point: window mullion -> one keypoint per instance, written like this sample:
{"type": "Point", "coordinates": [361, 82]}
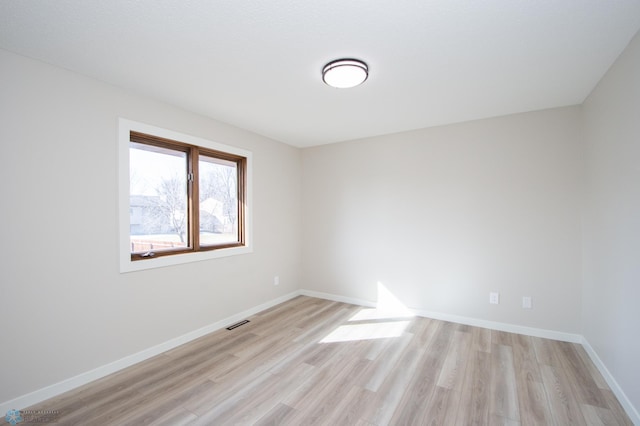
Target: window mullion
{"type": "Point", "coordinates": [194, 197]}
{"type": "Point", "coordinates": [240, 188]}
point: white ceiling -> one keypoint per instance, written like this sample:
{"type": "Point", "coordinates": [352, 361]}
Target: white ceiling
{"type": "Point", "coordinates": [256, 64]}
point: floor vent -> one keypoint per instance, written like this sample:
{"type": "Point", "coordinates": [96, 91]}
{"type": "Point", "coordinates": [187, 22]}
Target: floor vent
{"type": "Point", "coordinates": [236, 325]}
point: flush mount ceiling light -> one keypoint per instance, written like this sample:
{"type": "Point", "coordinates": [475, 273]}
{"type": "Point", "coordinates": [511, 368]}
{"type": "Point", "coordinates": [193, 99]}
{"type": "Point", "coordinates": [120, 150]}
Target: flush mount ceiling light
{"type": "Point", "coordinates": [345, 73]}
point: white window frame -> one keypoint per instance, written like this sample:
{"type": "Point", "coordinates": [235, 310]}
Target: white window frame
{"type": "Point", "coordinates": [126, 264]}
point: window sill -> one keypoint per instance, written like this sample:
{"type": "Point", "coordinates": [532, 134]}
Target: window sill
{"type": "Point", "coordinates": [128, 265]}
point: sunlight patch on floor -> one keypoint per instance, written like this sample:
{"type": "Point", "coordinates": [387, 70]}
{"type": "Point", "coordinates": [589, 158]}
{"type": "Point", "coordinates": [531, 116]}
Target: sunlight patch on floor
{"type": "Point", "coordinates": [367, 331]}
{"type": "Point", "coordinates": [370, 322]}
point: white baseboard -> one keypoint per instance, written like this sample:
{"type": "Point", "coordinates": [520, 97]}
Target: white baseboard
{"type": "Point", "coordinates": [501, 326]}
{"type": "Point", "coordinates": [55, 389]}
{"type": "Point", "coordinates": [493, 325]}
{"type": "Point", "coordinates": [337, 298]}
{"type": "Point", "coordinates": [632, 412]}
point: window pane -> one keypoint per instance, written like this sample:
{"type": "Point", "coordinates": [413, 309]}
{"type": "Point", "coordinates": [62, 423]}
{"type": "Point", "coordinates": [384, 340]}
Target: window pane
{"type": "Point", "coordinates": [218, 201]}
{"type": "Point", "coordinates": [157, 198]}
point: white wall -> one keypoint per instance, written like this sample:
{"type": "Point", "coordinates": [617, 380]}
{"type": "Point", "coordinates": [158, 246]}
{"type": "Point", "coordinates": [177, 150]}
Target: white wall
{"type": "Point", "coordinates": [66, 309]}
{"type": "Point", "coordinates": [611, 312]}
{"type": "Point", "coordinates": [443, 216]}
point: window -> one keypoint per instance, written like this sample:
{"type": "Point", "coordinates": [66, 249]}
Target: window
{"type": "Point", "coordinates": [186, 198]}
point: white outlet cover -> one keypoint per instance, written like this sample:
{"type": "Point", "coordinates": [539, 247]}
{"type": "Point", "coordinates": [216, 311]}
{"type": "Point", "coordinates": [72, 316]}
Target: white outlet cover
{"type": "Point", "coordinates": [494, 298]}
{"type": "Point", "coordinates": [526, 302]}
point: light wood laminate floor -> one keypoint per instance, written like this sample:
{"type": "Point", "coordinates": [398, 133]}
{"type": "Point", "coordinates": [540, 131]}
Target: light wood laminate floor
{"type": "Point", "coordinates": [313, 361]}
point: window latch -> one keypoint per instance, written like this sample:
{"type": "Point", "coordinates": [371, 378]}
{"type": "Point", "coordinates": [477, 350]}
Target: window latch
{"type": "Point", "coordinates": [148, 254]}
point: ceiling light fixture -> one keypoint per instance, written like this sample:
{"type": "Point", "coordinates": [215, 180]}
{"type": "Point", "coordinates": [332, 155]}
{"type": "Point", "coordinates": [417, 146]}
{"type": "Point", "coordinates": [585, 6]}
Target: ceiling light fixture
{"type": "Point", "coordinates": [345, 73]}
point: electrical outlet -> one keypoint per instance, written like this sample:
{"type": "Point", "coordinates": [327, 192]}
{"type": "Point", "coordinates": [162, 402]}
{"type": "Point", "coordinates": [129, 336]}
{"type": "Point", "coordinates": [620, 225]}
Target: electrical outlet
{"type": "Point", "coordinates": [494, 298]}
{"type": "Point", "coordinates": [276, 280]}
{"type": "Point", "coordinates": [526, 302]}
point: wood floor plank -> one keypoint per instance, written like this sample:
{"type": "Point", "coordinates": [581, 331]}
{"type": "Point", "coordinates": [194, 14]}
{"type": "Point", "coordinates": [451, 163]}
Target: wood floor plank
{"type": "Point", "coordinates": [201, 403]}
{"type": "Point", "coordinates": [598, 416]}
{"type": "Point", "coordinates": [533, 403]}
{"type": "Point", "coordinates": [499, 337]}
{"type": "Point", "coordinates": [297, 316]}
{"type": "Point", "coordinates": [435, 357]}
{"type": "Point", "coordinates": [564, 408]}
{"type": "Point", "coordinates": [386, 362]}
{"type": "Point", "coordinates": [298, 306]}
{"type": "Point", "coordinates": [249, 406]}
{"type": "Point", "coordinates": [324, 324]}
{"type": "Point", "coordinates": [240, 377]}
{"type": "Point", "coordinates": [453, 370]}
{"type": "Point", "coordinates": [349, 411]}
{"type": "Point", "coordinates": [177, 417]}
{"type": "Point", "coordinates": [502, 421]}
{"type": "Point", "coordinates": [331, 373]}
{"type": "Point", "coordinates": [417, 403]}
{"type": "Point", "coordinates": [616, 408]}
{"type": "Point", "coordinates": [276, 416]}
{"type": "Point", "coordinates": [545, 352]}
{"type": "Point", "coordinates": [105, 387]}
{"type": "Point", "coordinates": [319, 317]}
{"type": "Point", "coordinates": [524, 358]}
{"type": "Point", "coordinates": [475, 400]}
{"type": "Point", "coordinates": [582, 383]}
{"type": "Point", "coordinates": [97, 409]}
{"type": "Point", "coordinates": [586, 361]}
{"type": "Point", "coordinates": [481, 339]}
{"type": "Point", "coordinates": [394, 388]}
{"type": "Point", "coordinates": [503, 382]}
{"type": "Point", "coordinates": [164, 408]}
{"type": "Point", "coordinates": [437, 402]}
{"type": "Point", "coordinates": [241, 369]}
{"type": "Point", "coordinates": [441, 409]}
{"type": "Point", "coordinates": [322, 400]}
{"type": "Point", "coordinates": [159, 396]}
{"type": "Point", "coordinates": [532, 397]}
{"type": "Point", "coordinates": [312, 361]}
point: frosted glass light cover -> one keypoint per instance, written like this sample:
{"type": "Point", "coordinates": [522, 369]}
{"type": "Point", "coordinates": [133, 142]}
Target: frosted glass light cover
{"type": "Point", "coordinates": [345, 73]}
